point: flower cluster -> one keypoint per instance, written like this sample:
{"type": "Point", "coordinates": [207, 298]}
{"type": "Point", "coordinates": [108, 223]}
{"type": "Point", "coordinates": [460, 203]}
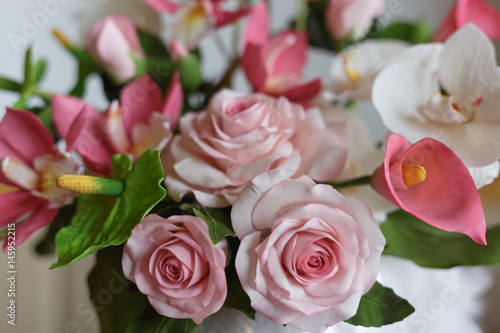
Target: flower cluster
{"type": "Point", "coordinates": [272, 200]}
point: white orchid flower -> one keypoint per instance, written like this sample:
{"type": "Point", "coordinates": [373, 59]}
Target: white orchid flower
{"type": "Point", "coordinates": [354, 69]}
{"type": "Point", "coordinates": [455, 100]}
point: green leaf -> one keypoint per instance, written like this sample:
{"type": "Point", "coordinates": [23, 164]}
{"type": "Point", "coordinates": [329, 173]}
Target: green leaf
{"type": "Point", "coordinates": [419, 32]}
{"type": "Point", "coordinates": [83, 73]}
{"type": "Point", "coordinates": [102, 221]}
{"type": "Point", "coordinates": [219, 222]}
{"type": "Point", "coordinates": [152, 45]}
{"type": "Point", "coordinates": [408, 237]}
{"type": "Point", "coordinates": [39, 70]}
{"type": "Point", "coordinates": [29, 74]}
{"type": "Point", "coordinates": [381, 306]}
{"type": "Point", "coordinates": [7, 84]}
{"type": "Point", "coordinates": [190, 72]}
{"type": "Point", "coordinates": [236, 297]}
{"type": "Point", "coordinates": [120, 305]}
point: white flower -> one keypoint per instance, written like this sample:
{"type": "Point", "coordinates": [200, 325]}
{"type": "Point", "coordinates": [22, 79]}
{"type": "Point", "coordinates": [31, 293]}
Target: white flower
{"type": "Point", "coordinates": [409, 97]}
{"type": "Point", "coordinates": [354, 69]}
{"type": "Point", "coordinates": [362, 160]}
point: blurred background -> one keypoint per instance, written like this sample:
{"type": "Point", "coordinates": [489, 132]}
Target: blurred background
{"type": "Point", "coordinates": [54, 301]}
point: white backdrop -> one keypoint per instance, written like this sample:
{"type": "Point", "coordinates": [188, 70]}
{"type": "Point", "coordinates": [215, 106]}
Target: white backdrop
{"type": "Point", "coordinates": [53, 301]}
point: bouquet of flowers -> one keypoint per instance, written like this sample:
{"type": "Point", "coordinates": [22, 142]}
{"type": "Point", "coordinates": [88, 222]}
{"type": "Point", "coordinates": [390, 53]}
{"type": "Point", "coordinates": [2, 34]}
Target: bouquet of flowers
{"type": "Point", "coordinates": [272, 200]}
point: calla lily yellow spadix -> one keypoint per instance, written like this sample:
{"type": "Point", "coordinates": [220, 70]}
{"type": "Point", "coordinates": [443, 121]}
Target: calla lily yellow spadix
{"type": "Point", "coordinates": [84, 184]}
{"type": "Point", "coordinates": [413, 174]}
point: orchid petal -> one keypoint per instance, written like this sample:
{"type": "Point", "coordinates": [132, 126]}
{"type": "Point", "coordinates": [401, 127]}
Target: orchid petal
{"type": "Point", "coordinates": [23, 136]}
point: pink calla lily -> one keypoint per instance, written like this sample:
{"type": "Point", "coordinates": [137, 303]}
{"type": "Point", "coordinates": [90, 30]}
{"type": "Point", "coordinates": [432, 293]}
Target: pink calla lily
{"type": "Point", "coordinates": [430, 182]}
{"type": "Point", "coordinates": [273, 65]}
{"type": "Point", "coordinates": [483, 14]}
{"type": "Point", "coordinates": [30, 163]}
{"type": "Point", "coordinates": [142, 120]}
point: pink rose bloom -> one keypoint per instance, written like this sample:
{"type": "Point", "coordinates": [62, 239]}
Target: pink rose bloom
{"type": "Point", "coordinates": [113, 43]}
{"type": "Point", "coordinates": [142, 120]}
{"type": "Point", "coordinates": [174, 262]}
{"type": "Point", "coordinates": [307, 253]}
{"type": "Point", "coordinates": [274, 65]}
{"type": "Point", "coordinates": [483, 14]}
{"type": "Point", "coordinates": [239, 136]}
{"type": "Point", "coordinates": [346, 17]}
{"type": "Point", "coordinates": [430, 182]}
{"type": "Point", "coordinates": [30, 164]}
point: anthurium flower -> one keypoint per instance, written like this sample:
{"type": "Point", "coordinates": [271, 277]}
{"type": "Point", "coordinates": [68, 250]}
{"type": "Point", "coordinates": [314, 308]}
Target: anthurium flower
{"type": "Point", "coordinates": [483, 14]}
{"type": "Point", "coordinates": [114, 44]}
{"type": "Point", "coordinates": [411, 102]}
{"type": "Point", "coordinates": [273, 65]}
{"type": "Point", "coordinates": [355, 68]}
{"type": "Point", "coordinates": [197, 18]}
{"type": "Point", "coordinates": [141, 120]}
{"type": "Point", "coordinates": [30, 163]}
{"type": "Point", "coordinates": [352, 17]}
{"type": "Point", "coordinates": [430, 182]}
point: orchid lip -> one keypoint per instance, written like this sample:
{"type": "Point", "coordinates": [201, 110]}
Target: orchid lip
{"type": "Point", "coordinates": [445, 109]}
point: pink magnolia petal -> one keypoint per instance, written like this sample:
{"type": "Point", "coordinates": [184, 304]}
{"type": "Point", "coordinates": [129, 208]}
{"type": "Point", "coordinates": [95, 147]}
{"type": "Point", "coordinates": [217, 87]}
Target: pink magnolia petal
{"type": "Point", "coordinates": [39, 219]}
{"type": "Point", "coordinates": [257, 28]}
{"type": "Point", "coordinates": [448, 182]}
{"type": "Point", "coordinates": [174, 101]}
{"type": "Point", "coordinates": [138, 100]}
{"type": "Point", "coordinates": [23, 136]}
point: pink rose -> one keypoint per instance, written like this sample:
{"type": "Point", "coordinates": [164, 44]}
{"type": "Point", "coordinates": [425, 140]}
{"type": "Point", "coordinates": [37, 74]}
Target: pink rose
{"type": "Point", "coordinates": [113, 43]}
{"type": "Point", "coordinates": [174, 262]}
{"type": "Point", "coordinates": [307, 253]}
{"type": "Point", "coordinates": [345, 17]}
{"type": "Point", "coordinates": [239, 136]}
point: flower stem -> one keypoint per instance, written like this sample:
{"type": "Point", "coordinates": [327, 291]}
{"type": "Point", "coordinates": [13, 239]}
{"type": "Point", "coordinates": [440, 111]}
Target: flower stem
{"type": "Point", "coordinates": [301, 22]}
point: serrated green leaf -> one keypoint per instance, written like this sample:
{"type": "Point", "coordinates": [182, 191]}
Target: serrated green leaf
{"type": "Point", "coordinates": [219, 222]}
{"type": "Point", "coordinates": [381, 306]}
{"type": "Point", "coordinates": [121, 307]}
{"type": "Point", "coordinates": [102, 221]}
{"type": "Point", "coordinates": [408, 237]}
